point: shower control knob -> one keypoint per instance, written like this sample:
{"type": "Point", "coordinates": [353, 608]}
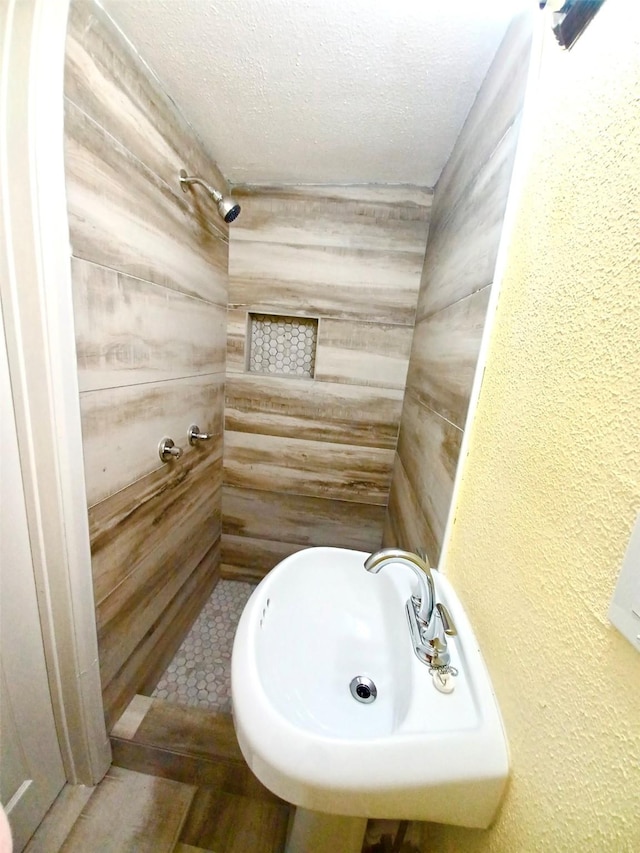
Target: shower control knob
{"type": "Point", "coordinates": [167, 450]}
{"type": "Point", "coordinates": [194, 435]}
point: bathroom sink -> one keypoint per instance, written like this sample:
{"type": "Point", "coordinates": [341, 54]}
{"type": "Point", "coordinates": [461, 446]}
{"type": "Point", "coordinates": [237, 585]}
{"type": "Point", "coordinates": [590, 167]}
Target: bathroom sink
{"type": "Point", "coordinates": [313, 625]}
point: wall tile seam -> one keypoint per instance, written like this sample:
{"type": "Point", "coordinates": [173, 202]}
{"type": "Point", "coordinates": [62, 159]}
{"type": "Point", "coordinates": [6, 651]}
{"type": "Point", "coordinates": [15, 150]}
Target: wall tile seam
{"type": "Point", "coordinates": [330, 250]}
{"type": "Point", "coordinates": [354, 213]}
{"type": "Point", "coordinates": [232, 374]}
{"type": "Point", "coordinates": [430, 314]}
{"type": "Point", "coordinates": [179, 378]}
{"type": "Point", "coordinates": [474, 178]}
{"type": "Point", "coordinates": [219, 235]}
{"type": "Point", "coordinates": [126, 275]}
{"type": "Point", "coordinates": [153, 77]}
{"type": "Point", "coordinates": [295, 494]}
{"type": "Point", "coordinates": [278, 311]}
{"type": "Point", "coordinates": [390, 448]}
{"type": "Point", "coordinates": [433, 411]}
{"type": "Point", "coordinates": [216, 457]}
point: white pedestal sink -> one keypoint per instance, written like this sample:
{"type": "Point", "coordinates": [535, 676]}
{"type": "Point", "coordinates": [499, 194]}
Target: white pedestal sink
{"type": "Point", "coordinates": [317, 621]}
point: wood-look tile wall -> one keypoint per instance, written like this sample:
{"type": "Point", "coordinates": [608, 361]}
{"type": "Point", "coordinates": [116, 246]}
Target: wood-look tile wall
{"type": "Point", "coordinates": [150, 278]}
{"type": "Point", "coordinates": [309, 461]}
{"type": "Point", "coordinates": [466, 226]}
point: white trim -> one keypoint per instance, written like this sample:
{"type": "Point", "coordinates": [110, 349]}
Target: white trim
{"type": "Point", "coordinates": [520, 171]}
{"type": "Point", "coordinates": [35, 288]}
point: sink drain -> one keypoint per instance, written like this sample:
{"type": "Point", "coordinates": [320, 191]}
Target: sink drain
{"type": "Point", "coordinates": [363, 689]}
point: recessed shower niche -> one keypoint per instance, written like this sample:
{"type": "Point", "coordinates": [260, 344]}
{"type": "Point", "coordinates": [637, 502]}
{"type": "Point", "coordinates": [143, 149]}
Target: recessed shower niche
{"type": "Point", "coordinates": [281, 345]}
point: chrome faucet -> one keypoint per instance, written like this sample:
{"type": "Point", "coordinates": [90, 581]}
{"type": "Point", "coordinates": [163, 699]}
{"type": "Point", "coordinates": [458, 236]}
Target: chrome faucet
{"type": "Point", "coordinates": [429, 621]}
{"type": "Point", "coordinates": [420, 568]}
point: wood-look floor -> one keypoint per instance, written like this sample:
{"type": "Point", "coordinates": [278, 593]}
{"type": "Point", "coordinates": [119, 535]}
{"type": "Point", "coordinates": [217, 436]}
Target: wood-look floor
{"type": "Point", "coordinates": [179, 784]}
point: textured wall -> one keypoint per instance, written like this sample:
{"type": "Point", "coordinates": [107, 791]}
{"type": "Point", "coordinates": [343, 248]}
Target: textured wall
{"type": "Point", "coordinates": [551, 486]}
{"type": "Point", "coordinates": [466, 225]}
{"type": "Point", "coordinates": [308, 461]}
{"type": "Point", "coordinates": [150, 294]}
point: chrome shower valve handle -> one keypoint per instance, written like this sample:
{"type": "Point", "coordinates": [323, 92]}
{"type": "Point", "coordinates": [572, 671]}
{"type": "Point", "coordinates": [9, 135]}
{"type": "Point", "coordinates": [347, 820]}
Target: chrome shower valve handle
{"type": "Point", "coordinates": [194, 435]}
{"type": "Point", "coordinates": [167, 450]}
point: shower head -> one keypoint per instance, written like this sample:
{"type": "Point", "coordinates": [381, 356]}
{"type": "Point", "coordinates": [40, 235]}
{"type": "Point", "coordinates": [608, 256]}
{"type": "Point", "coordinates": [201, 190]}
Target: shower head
{"type": "Point", "coordinates": [227, 207]}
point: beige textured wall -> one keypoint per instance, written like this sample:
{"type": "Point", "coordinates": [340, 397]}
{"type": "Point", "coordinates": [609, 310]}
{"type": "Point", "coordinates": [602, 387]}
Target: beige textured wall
{"type": "Point", "coordinates": [551, 486]}
{"type": "Point", "coordinates": [459, 265]}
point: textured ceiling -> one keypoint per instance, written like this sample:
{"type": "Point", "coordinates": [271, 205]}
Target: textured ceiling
{"type": "Point", "coordinates": [321, 91]}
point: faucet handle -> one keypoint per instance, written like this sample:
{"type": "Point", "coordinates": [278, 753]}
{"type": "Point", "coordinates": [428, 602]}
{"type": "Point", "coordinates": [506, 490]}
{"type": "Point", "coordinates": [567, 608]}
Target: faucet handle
{"type": "Point", "coordinates": [448, 625]}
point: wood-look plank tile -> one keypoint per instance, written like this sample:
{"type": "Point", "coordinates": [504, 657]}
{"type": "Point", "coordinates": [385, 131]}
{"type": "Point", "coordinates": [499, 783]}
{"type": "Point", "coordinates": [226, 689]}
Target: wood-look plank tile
{"type": "Point", "coordinates": [141, 671]}
{"type": "Point", "coordinates": [445, 354]}
{"type": "Point", "coordinates": [122, 216]}
{"type": "Point", "coordinates": [59, 820]}
{"type": "Point", "coordinates": [129, 331]}
{"type": "Point", "coordinates": [232, 777]}
{"type": "Point", "coordinates": [390, 218]}
{"type": "Point", "coordinates": [405, 524]}
{"type": "Point", "coordinates": [301, 520]}
{"type": "Point", "coordinates": [109, 82]}
{"type": "Point", "coordinates": [461, 255]}
{"type": "Point", "coordinates": [125, 528]}
{"type": "Point", "coordinates": [130, 721]}
{"type": "Point", "coordinates": [252, 558]}
{"type": "Point", "coordinates": [193, 731]}
{"type": "Point", "coordinates": [236, 340]}
{"type": "Point", "coordinates": [363, 353]}
{"type": "Point", "coordinates": [125, 615]}
{"type": "Point", "coordinates": [121, 428]}
{"type": "Point", "coordinates": [312, 410]}
{"type": "Point", "coordinates": [315, 468]}
{"type": "Point", "coordinates": [236, 824]}
{"type": "Point", "coordinates": [383, 200]}
{"type": "Point", "coordinates": [496, 107]}
{"type": "Point", "coordinates": [429, 447]}
{"type": "Point", "coordinates": [131, 813]}
{"type": "Point", "coordinates": [374, 286]}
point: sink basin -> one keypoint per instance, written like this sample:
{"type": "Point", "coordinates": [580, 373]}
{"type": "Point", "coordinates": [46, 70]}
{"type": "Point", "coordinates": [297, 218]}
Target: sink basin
{"type": "Point", "coordinates": [316, 622]}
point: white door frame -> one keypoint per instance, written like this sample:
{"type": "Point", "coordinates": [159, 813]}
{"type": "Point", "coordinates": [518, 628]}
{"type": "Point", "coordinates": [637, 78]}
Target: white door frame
{"type": "Point", "coordinates": [35, 289]}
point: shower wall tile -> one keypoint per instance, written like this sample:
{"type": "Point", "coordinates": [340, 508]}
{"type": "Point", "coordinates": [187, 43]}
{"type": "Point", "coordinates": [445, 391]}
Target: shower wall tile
{"type": "Point", "coordinates": [315, 468]}
{"type": "Point", "coordinates": [393, 219]}
{"type": "Point", "coordinates": [429, 447]}
{"type": "Point", "coordinates": [311, 281]}
{"type": "Point", "coordinates": [249, 559]}
{"type": "Point", "coordinates": [363, 353]}
{"type": "Point", "coordinates": [139, 566]}
{"type": "Point", "coordinates": [150, 278]}
{"type": "Point", "coordinates": [462, 251]}
{"type": "Point", "coordinates": [237, 331]}
{"type": "Point", "coordinates": [498, 103]}
{"type": "Point", "coordinates": [160, 643]}
{"type": "Point", "coordinates": [406, 525]}
{"type": "Point", "coordinates": [129, 331]}
{"type": "Point", "coordinates": [274, 520]}
{"type": "Point", "coordinates": [121, 427]}
{"type": "Point", "coordinates": [111, 84]}
{"type": "Point", "coordinates": [316, 411]}
{"type": "Point", "coordinates": [459, 267]}
{"type": "Point", "coordinates": [123, 216]}
{"type": "Point", "coordinates": [445, 353]}
{"type": "Point", "coordinates": [323, 447]}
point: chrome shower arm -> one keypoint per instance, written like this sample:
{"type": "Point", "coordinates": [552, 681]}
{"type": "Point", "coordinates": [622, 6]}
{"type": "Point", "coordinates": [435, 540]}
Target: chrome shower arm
{"type": "Point", "coordinates": [187, 180]}
{"type": "Point", "coordinates": [228, 209]}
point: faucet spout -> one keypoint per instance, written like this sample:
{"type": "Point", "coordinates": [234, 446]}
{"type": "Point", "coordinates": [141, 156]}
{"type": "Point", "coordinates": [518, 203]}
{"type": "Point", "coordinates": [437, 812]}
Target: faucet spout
{"type": "Point", "coordinates": [419, 567]}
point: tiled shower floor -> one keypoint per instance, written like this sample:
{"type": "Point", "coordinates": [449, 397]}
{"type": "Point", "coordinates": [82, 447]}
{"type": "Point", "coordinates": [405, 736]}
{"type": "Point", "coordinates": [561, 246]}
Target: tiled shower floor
{"type": "Point", "coordinates": [200, 673]}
